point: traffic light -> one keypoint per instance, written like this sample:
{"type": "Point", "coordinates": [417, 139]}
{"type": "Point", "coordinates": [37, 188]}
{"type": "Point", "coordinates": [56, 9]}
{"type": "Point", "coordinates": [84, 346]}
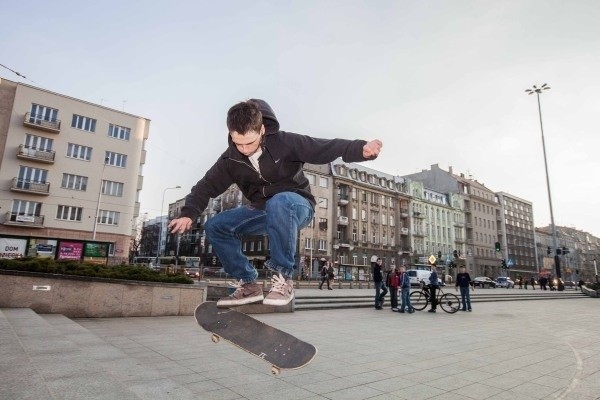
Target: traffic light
{"type": "Point", "coordinates": [503, 263]}
{"type": "Point", "coordinates": [565, 250]}
{"type": "Point", "coordinates": [549, 250]}
{"type": "Point", "coordinates": [498, 246]}
{"type": "Point", "coordinates": [455, 253]}
{"type": "Point", "coordinates": [439, 254]}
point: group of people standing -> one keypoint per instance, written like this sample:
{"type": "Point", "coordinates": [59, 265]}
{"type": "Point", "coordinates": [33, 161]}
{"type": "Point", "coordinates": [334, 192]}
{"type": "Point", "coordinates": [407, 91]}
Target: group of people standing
{"type": "Point", "coordinates": [397, 279]}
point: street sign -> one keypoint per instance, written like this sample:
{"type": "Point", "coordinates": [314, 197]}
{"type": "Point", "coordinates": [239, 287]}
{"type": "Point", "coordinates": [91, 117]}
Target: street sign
{"type": "Point", "coordinates": [431, 259]}
{"type": "Point", "coordinates": [510, 262]}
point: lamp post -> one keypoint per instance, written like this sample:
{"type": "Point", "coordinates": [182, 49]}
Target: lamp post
{"type": "Point", "coordinates": [537, 91]}
{"type": "Point", "coordinates": [162, 206]}
{"type": "Point", "coordinates": [99, 197]}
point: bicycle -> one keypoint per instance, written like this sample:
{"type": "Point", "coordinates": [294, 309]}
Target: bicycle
{"type": "Point", "coordinates": [449, 302]}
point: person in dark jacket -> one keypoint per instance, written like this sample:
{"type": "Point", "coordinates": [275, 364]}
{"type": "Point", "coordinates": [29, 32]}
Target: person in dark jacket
{"type": "Point", "coordinates": [433, 285]}
{"type": "Point", "coordinates": [463, 281]}
{"type": "Point", "coordinates": [266, 164]}
{"type": "Point", "coordinates": [380, 289]}
{"type": "Point", "coordinates": [393, 281]}
{"type": "Point", "coordinates": [405, 291]}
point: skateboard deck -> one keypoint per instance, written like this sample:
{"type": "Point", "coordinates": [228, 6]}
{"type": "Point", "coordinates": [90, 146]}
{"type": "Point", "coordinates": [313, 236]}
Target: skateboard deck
{"type": "Point", "coordinates": [280, 349]}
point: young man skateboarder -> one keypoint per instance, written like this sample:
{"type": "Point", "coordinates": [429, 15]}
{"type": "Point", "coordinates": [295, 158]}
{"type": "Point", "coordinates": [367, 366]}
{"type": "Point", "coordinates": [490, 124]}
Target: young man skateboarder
{"type": "Point", "coordinates": [266, 164]}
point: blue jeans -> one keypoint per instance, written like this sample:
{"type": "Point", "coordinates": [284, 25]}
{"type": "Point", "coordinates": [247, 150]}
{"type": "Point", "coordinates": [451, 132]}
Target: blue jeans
{"type": "Point", "coordinates": [405, 294]}
{"type": "Point", "coordinates": [380, 292]}
{"type": "Point", "coordinates": [465, 298]}
{"type": "Point", "coordinates": [284, 215]}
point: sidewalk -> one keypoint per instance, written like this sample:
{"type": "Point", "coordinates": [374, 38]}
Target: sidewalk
{"type": "Point", "coordinates": [510, 350]}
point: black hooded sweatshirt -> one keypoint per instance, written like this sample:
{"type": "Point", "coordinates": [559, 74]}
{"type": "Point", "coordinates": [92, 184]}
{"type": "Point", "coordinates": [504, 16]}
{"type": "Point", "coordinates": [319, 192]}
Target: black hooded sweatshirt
{"type": "Point", "coordinates": [281, 161]}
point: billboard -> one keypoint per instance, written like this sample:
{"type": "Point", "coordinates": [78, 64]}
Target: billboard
{"type": "Point", "coordinates": [12, 248]}
{"type": "Point", "coordinates": [70, 250]}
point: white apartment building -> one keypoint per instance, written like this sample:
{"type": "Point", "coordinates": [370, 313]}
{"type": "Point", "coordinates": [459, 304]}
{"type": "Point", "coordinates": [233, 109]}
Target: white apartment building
{"type": "Point", "coordinates": [70, 175]}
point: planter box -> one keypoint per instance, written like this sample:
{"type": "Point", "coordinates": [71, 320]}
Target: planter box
{"type": "Point", "coordinates": [589, 292]}
{"type": "Point", "coordinates": [84, 297]}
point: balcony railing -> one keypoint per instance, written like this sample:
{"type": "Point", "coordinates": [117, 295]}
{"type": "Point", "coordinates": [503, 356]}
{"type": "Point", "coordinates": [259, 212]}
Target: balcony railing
{"type": "Point", "coordinates": [417, 214]}
{"type": "Point", "coordinates": [30, 153]}
{"type": "Point", "coordinates": [459, 224]}
{"type": "Point", "coordinates": [41, 122]}
{"type": "Point", "coordinates": [404, 231]}
{"type": "Point", "coordinates": [29, 186]}
{"type": "Point", "coordinates": [342, 220]}
{"type": "Point", "coordinates": [418, 233]}
{"type": "Point", "coordinates": [17, 219]}
{"type": "Point", "coordinates": [343, 200]}
{"type": "Point", "coordinates": [404, 212]}
{"type": "Point", "coordinates": [459, 240]}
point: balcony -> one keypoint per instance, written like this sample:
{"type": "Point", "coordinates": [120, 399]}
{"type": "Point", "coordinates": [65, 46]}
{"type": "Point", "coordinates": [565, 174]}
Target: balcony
{"type": "Point", "coordinates": [404, 231]}
{"type": "Point", "coordinates": [40, 122]}
{"type": "Point", "coordinates": [417, 214]}
{"type": "Point", "coordinates": [30, 153]}
{"type": "Point", "coordinates": [404, 212]}
{"type": "Point", "coordinates": [418, 233]}
{"type": "Point", "coordinates": [343, 200]}
{"type": "Point", "coordinates": [459, 224]}
{"type": "Point", "coordinates": [342, 220]}
{"type": "Point", "coordinates": [29, 186]}
{"type": "Point", "coordinates": [467, 210]}
{"type": "Point", "coordinates": [28, 221]}
{"type": "Point", "coordinates": [405, 250]}
{"type": "Point", "coordinates": [459, 240]}
{"type": "Point", "coordinates": [469, 241]}
{"type": "Point", "coordinates": [469, 225]}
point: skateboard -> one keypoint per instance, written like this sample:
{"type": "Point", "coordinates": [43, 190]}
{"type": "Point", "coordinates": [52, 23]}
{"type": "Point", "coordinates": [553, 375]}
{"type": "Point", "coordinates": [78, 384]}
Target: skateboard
{"type": "Point", "coordinates": [278, 348]}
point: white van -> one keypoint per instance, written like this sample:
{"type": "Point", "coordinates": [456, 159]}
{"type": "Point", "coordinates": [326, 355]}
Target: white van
{"type": "Point", "coordinates": [420, 275]}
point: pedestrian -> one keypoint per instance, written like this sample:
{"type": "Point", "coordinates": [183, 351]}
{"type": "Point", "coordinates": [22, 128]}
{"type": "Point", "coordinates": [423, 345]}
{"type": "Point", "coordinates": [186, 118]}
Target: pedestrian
{"type": "Point", "coordinates": [325, 276]}
{"type": "Point", "coordinates": [543, 282]}
{"type": "Point", "coordinates": [380, 289]}
{"type": "Point", "coordinates": [464, 282]}
{"type": "Point", "coordinates": [520, 279]}
{"type": "Point", "coordinates": [405, 291]}
{"type": "Point", "coordinates": [532, 281]}
{"type": "Point", "coordinates": [433, 286]}
{"type": "Point", "coordinates": [392, 281]}
{"type": "Point", "coordinates": [330, 275]}
{"type": "Point", "coordinates": [266, 164]}
{"type": "Point", "coordinates": [526, 282]}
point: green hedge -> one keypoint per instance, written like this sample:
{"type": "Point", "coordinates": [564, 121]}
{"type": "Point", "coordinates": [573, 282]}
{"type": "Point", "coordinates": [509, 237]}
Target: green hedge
{"type": "Point", "coordinates": [128, 272]}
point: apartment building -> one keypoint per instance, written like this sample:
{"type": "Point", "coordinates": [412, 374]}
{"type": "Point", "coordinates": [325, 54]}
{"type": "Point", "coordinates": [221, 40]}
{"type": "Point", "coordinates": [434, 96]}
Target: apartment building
{"type": "Point", "coordinates": [437, 222]}
{"type": "Point", "coordinates": [372, 218]}
{"type": "Point", "coordinates": [70, 175]}
{"type": "Point", "coordinates": [516, 234]}
{"type": "Point", "coordinates": [480, 208]}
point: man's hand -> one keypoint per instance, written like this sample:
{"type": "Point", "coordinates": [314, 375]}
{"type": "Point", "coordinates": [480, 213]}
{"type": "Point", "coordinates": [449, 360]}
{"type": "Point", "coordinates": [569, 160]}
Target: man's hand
{"type": "Point", "coordinates": [180, 225]}
{"type": "Point", "coordinates": [371, 149]}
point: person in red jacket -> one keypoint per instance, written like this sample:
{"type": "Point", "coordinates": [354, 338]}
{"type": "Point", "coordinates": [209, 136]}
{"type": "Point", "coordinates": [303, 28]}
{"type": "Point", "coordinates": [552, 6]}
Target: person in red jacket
{"type": "Point", "coordinates": [393, 281]}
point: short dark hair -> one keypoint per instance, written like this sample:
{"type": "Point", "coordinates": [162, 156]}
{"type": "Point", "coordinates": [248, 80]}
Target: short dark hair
{"type": "Point", "coordinates": [244, 117]}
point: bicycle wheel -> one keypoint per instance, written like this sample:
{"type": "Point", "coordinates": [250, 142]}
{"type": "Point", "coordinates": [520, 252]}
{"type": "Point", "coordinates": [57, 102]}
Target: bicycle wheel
{"type": "Point", "coordinates": [449, 303]}
{"type": "Point", "coordinates": [418, 300]}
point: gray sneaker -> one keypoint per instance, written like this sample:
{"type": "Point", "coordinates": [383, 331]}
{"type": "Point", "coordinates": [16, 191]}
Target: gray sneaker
{"type": "Point", "coordinates": [281, 293]}
{"type": "Point", "coordinates": [245, 293]}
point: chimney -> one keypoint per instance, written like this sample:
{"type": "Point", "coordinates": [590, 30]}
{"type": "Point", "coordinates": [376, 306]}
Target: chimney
{"type": "Point", "coordinates": [450, 169]}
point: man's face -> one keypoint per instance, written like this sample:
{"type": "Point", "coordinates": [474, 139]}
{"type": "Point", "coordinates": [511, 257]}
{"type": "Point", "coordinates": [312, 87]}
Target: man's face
{"type": "Point", "coordinates": [248, 143]}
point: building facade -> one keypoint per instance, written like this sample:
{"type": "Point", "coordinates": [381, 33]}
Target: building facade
{"type": "Point", "coordinates": [70, 174]}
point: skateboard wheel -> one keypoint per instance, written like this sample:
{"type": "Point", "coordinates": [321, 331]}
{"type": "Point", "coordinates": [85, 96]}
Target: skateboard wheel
{"type": "Point", "coordinates": [215, 339]}
{"type": "Point", "coordinates": [275, 370]}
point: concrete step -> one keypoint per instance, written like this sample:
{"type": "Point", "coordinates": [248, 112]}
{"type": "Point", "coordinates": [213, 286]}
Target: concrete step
{"type": "Point", "coordinates": [38, 362]}
{"type": "Point", "coordinates": [340, 301]}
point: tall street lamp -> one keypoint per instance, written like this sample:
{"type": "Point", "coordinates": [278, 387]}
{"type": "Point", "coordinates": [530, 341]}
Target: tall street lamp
{"type": "Point", "coordinates": [537, 91]}
{"type": "Point", "coordinates": [162, 206]}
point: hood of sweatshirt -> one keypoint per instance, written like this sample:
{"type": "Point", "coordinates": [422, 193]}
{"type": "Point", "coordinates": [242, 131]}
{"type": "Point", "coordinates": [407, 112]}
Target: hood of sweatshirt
{"type": "Point", "coordinates": [269, 119]}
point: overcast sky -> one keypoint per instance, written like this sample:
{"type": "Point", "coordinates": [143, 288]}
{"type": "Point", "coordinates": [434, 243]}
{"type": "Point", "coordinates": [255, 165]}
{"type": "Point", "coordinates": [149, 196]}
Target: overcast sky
{"type": "Point", "coordinates": [437, 81]}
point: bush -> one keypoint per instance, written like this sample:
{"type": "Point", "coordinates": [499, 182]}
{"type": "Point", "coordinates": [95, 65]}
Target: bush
{"type": "Point", "coordinates": [127, 272]}
{"type": "Point", "coordinates": [594, 286]}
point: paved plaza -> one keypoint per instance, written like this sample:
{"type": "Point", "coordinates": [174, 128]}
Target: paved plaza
{"type": "Point", "coordinates": [505, 350]}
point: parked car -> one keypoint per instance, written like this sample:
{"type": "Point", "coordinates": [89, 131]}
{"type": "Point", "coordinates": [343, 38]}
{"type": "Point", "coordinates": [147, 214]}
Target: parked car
{"type": "Point", "coordinates": [483, 282]}
{"type": "Point", "coordinates": [193, 272]}
{"type": "Point", "coordinates": [503, 281]}
{"type": "Point", "coordinates": [419, 276]}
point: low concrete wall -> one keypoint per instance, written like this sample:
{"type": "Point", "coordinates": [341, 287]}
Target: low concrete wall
{"type": "Point", "coordinates": [589, 292]}
{"type": "Point", "coordinates": [78, 297]}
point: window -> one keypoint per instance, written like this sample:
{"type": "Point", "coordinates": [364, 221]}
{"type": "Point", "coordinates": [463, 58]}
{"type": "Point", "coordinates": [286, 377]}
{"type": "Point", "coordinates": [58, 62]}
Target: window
{"type": "Point", "coordinates": [311, 179]}
{"type": "Point", "coordinates": [383, 219]}
{"type": "Point", "coordinates": [111, 188]}
{"type": "Point", "coordinates": [322, 244]}
{"type": "Point", "coordinates": [307, 243]}
{"type": "Point", "coordinates": [259, 246]}
{"type": "Point", "coordinates": [354, 194]}
{"type": "Point", "coordinates": [106, 217]}
{"type": "Point", "coordinates": [41, 113]}
{"type": "Point", "coordinates": [28, 175]}
{"type": "Point", "coordinates": [38, 143]}
{"type": "Point", "coordinates": [116, 159]}
{"type": "Point", "coordinates": [79, 152]}
{"type": "Point", "coordinates": [24, 207]}
{"type": "Point", "coordinates": [69, 213]}
{"type": "Point", "coordinates": [251, 246]}
{"type": "Point", "coordinates": [118, 132]}
{"type": "Point", "coordinates": [354, 213]}
{"type": "Point", "coordinates": [322, 202]}
{"type": "Point", "coordinates": [323, 182]}
{"type": "Point", "coordinates": [83, 123]}
{"type": "Point", "coordinates": [363, 215]}
{"type": "Point", "coordinates": [75, 182]}
{"type": "Point", "coordinates": [392, 223]}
